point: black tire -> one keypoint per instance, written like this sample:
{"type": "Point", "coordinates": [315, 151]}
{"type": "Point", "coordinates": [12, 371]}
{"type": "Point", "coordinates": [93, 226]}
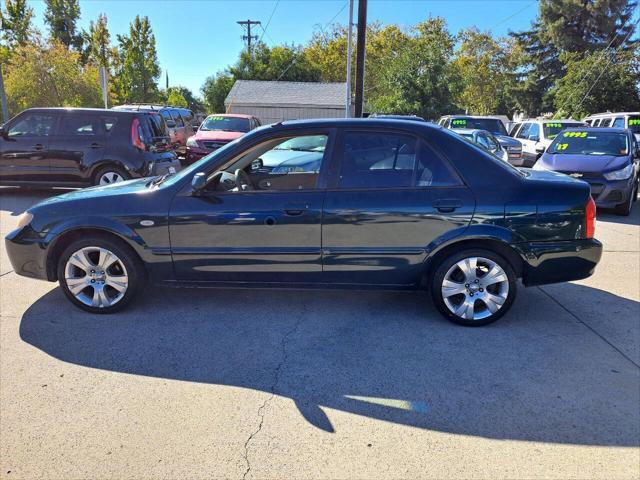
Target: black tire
{"type": "Point", "coordinates": [447, 263]}
{"type": "Point", "coordinates": [109, 169]}
{"type": "Point", "coordinates": [134, 269]}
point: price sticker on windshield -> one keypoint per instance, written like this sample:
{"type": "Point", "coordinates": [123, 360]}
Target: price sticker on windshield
{"type": "Point", "coordinates": [554, 125]}
{"type": "Point", "coordinates": [562, 146]}
{"type": "Point", "coordinates": [574, 134]}
{"type": "Point", "coordinates": [634, 121]}
{"type": "Point", "coordinates": [217, 118]}
{"type": "Point", "coordinates": [461, 122]}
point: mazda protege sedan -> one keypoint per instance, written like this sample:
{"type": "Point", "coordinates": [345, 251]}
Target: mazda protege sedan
{"type": "Point", "coordinates": [352, 203]}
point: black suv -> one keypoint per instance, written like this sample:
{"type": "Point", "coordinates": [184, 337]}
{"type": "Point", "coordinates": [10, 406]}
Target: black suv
{"type": "Point", "coordinates": [71, 147]}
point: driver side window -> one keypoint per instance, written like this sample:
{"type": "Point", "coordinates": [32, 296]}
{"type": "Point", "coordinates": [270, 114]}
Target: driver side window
{"type": "Point", "coordinates": [281, 164]}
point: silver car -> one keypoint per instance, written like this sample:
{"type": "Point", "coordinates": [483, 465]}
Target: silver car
{"type": "Point", "coordinates": [485, 140]}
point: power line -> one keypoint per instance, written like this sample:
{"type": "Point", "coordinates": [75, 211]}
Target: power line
{"type": "Point", "coordinates": [264, 29]}
{"type": "Point", "coordinates": [248, 37]}
{"type": "Point", "coordinates": [631, 30]}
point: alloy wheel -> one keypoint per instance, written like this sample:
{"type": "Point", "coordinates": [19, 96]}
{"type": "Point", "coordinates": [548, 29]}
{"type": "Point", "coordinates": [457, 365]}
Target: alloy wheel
{"type": "Point", "coordinates": [96, 277]}
{"type": "Point", "coordinates": [475, 288]}
{"type": "Point", "coordinates": [108, 178]}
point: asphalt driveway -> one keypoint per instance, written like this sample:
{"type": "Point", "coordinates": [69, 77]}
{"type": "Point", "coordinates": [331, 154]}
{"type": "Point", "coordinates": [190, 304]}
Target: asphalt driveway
{"type": "Point", "coordinates": [322, 384]}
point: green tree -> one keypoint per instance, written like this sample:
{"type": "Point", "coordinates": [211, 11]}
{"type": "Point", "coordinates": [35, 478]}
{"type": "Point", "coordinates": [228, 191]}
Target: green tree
{"type": "Point", "coordinates": [16, 23]}
{"type": "Point", "coordinates": [62, 16]}
{"type": "Point", "coordinates": [176, 99]}
{"type": "Point", "coordinates": [137, 71]}
{"type": "Point", "coordinates": [420, 79]}
{"type": "Point", "coordinates": [192, 102]}
{"type": "Point", "coordinates": [50, 75]}
{"type": "Point", "coordinates": [282, 62]}
{"type": "Point", "coordinates": [215, 90]}
{"type": "Point", "coordinates": [593, 85]}
{"type": "Point", "coordinates": [98, 42]}
{"type": "Point", "coordinates": [483, 66]}
{"type": "Point", "coordinates": [584, 25]}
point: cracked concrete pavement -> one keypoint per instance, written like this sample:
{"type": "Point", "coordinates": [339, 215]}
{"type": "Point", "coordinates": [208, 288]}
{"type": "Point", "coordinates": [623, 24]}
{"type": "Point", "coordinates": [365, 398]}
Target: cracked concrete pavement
{"type": "Point", "coordinates": [322, 384]}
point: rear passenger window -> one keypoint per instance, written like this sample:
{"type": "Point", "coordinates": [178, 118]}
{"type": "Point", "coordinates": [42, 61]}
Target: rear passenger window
{"type": "Point", "coordinates": [81, 125]}
{"type": "Point", "coordinates": [618, 122]}
{"type": "Point", "coordinates": [374, 160]}
{"type": "Point", "coordinates": [108, 123]}
{"type": "Point", "coordinates": [524, 131]}
{"type": "Point", "coordinates": [178, 119]}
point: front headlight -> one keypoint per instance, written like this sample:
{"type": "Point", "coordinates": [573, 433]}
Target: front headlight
{"type": "Point", "coordinates": [24, 219]}
{"type": "Point", "coordinates": [191, 142]}
{"type": "Point", "coordinates": [621, 174]}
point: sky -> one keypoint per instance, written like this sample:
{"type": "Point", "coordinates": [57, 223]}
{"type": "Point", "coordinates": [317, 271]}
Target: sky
{"type": "Point", "coordinates": [197, 38]}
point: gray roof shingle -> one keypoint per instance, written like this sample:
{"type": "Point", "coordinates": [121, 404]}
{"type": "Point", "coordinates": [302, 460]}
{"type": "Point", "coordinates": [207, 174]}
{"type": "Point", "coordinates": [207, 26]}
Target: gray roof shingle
{"type": "Point", "coordinates": [259, 92]}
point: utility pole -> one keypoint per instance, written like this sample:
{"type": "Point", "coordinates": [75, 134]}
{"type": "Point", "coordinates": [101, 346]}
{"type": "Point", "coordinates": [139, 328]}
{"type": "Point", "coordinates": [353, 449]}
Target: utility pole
{"type": "Point", "coordinates": [248, 37]}
{"type": "Point", "coordinates": [347, 108]}
{"type": "Point", "coordinates": [360, 54]}
{"type": "Point", "coordinates": [3, 99]}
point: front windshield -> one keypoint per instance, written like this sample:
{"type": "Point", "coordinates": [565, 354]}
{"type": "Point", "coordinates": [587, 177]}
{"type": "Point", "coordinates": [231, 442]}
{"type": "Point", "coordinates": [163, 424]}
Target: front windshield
{"type": "Point", "coordinates": [590, 143]}
{"type": "Point", "coordinates": [225, 124]}
{"type": "Point", "coordinates": [552, 129]}
{"type": "Point", "coordinates": [634, 123]}
{"type": "Point", "coordinates": [492, 125]}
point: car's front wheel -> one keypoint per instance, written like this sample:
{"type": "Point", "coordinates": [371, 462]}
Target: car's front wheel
{"type": "Point", "coordinates": [100, 275]}
{"type": "Point", "coordinates": [474, 287]}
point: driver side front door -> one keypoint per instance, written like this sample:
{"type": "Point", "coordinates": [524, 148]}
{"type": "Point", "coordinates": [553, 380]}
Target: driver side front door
{"type": "Point", "coordinates": [271, 234]}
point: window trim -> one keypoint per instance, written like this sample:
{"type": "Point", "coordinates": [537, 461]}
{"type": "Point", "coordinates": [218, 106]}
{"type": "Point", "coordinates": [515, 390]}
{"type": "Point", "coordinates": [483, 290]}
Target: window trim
{"type": "Point", "coordinates": [18, 118]}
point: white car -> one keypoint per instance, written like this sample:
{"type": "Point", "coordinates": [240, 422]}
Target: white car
{"type": "Point", "coordinates": [537, 135]}
{"type": "Point", "coordinates": [630, 120]}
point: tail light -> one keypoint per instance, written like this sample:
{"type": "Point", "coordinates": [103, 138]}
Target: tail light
{"type": "Point", "coordinates": [590, 218]}
{"type": "Point", "coordinates": [136, 139]}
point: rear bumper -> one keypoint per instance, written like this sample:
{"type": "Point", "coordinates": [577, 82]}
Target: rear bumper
{"type": "Point", "coordinates": [562, 261]}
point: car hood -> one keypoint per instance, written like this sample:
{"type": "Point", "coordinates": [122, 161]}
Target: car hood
{"type": "Point", "coordinates": [506, 141]}
{"type": "Point", "coordinates": [217, 135]}
{"type": "Point", "coordinates": [128, 187]}
{"type": "Point", "coordinates": [581, 163]}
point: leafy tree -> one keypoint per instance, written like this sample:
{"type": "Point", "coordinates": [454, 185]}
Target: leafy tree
{"type": "Point", "coordinates": [176, 99]}
{"type": "Point", "coordinates": [483, 66]}
{"type": "Point", "coordinates": [591, 85]}
{"type": "Point", "coordinates": [16, 23]}
{"type": "Point", "coordinates": [61, 16]}
{"type": "Point", "coordinates": [98, 42]}
{"type": "Point", "coordinates": [420, 79]}
{"type": "Point", "coordinates": [282, 62]}
{"type": "Point", "coordinates": [584, 25]}
{"type": "Point", "coordinates": [215, 90]}
{"type": "Point", "coordinates": [192, 102]}
{"type": "Point", "coordinates": [50, 75]}
{"type": "Point", "coordinates": [137, 71]}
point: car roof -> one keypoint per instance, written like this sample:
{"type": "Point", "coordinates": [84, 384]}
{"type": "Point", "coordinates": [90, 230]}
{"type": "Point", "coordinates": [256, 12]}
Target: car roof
{"type": "Point", "coordinates": [233, 115]}
{"type": "Point", "coordinates": [611, 114]}
{"type": "Point", "coordinates": [356, 123]}
{"type": "Point", "coordinates": [550, 120]}
{"type": "Point", "coordinates": [78, 109]}
{"type": "Point", "coordinates": [468, 130]}
{"type": "Point", "coordinates": [478, 117]}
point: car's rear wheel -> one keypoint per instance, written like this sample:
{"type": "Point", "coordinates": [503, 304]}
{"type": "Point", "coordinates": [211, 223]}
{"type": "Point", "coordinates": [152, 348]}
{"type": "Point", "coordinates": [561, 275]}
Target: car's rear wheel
{"type": "Point", "coordinates": [109, 175]}
{"type": "Point", "coordinates": [100, 275]}
{"type": "Point", "coordinates": [474, 287]}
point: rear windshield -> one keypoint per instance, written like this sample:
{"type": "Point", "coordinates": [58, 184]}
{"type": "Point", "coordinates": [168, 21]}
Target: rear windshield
{"type": "Point", "coordinates": [492, 125]}
{"type": "Point", "coordinates": [226, 124]}
{"type": "Point", "coordinates": [157, 125]}
{"type": "Point", "coordinates": [590, 143]}
{"type": "Point", "coordinates": [552, 129]}
{"type": "Point", "coordinates": [634, 123]}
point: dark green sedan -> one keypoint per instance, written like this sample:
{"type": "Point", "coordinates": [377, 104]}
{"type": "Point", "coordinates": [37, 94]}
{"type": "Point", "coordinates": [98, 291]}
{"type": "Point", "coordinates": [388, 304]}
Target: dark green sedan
{"type": "Point", "coordinates": [376, 203]}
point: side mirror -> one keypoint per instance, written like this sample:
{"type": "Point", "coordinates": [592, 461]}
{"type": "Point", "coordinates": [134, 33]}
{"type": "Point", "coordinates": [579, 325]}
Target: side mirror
{"type": "Point", "coordinates": [540, 149]}
{"type": "Point", "coordinates": [198, 182]}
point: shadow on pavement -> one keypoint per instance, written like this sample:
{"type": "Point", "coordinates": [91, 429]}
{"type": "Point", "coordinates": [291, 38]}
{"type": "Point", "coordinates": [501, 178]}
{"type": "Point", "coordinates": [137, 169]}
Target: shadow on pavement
{"type": "Point", "coordinates": [632, 219]}
{"type": "Point", "coordinates": [536, 375]}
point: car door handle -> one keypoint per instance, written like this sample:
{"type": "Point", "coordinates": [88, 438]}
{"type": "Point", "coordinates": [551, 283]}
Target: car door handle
{"type": "Point", "coordinates": [38, 146]}
{"type": "Point", "coordinates": [447, 205]}
{"type": "Point", "coordinates": [295, 210]}
{"type": "Point", "coordinates": [95, 145]}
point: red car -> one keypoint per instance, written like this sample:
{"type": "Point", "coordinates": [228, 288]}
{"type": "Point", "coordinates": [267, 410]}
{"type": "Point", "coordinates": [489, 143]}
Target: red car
{"type": "Point", "coordinates": [218, 130]}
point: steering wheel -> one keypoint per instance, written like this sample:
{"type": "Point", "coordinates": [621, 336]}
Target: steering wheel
{"type": "Point", "coordinates": [243, 182]}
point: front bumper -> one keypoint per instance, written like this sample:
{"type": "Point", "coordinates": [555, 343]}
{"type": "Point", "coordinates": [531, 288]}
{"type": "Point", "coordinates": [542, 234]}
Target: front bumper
{"type": "Point", "coordinates": [27, 253]}
{"type": "Point", "coordinates": [561, 261]}
{"type": "Point", "coordinates": [610, 193]}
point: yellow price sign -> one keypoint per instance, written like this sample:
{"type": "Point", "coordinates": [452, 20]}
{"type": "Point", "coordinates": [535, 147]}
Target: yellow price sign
{"type": "Point", "coordinates": [562, 146]}
{"type": "Point", "coordinates": [574, 134]}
